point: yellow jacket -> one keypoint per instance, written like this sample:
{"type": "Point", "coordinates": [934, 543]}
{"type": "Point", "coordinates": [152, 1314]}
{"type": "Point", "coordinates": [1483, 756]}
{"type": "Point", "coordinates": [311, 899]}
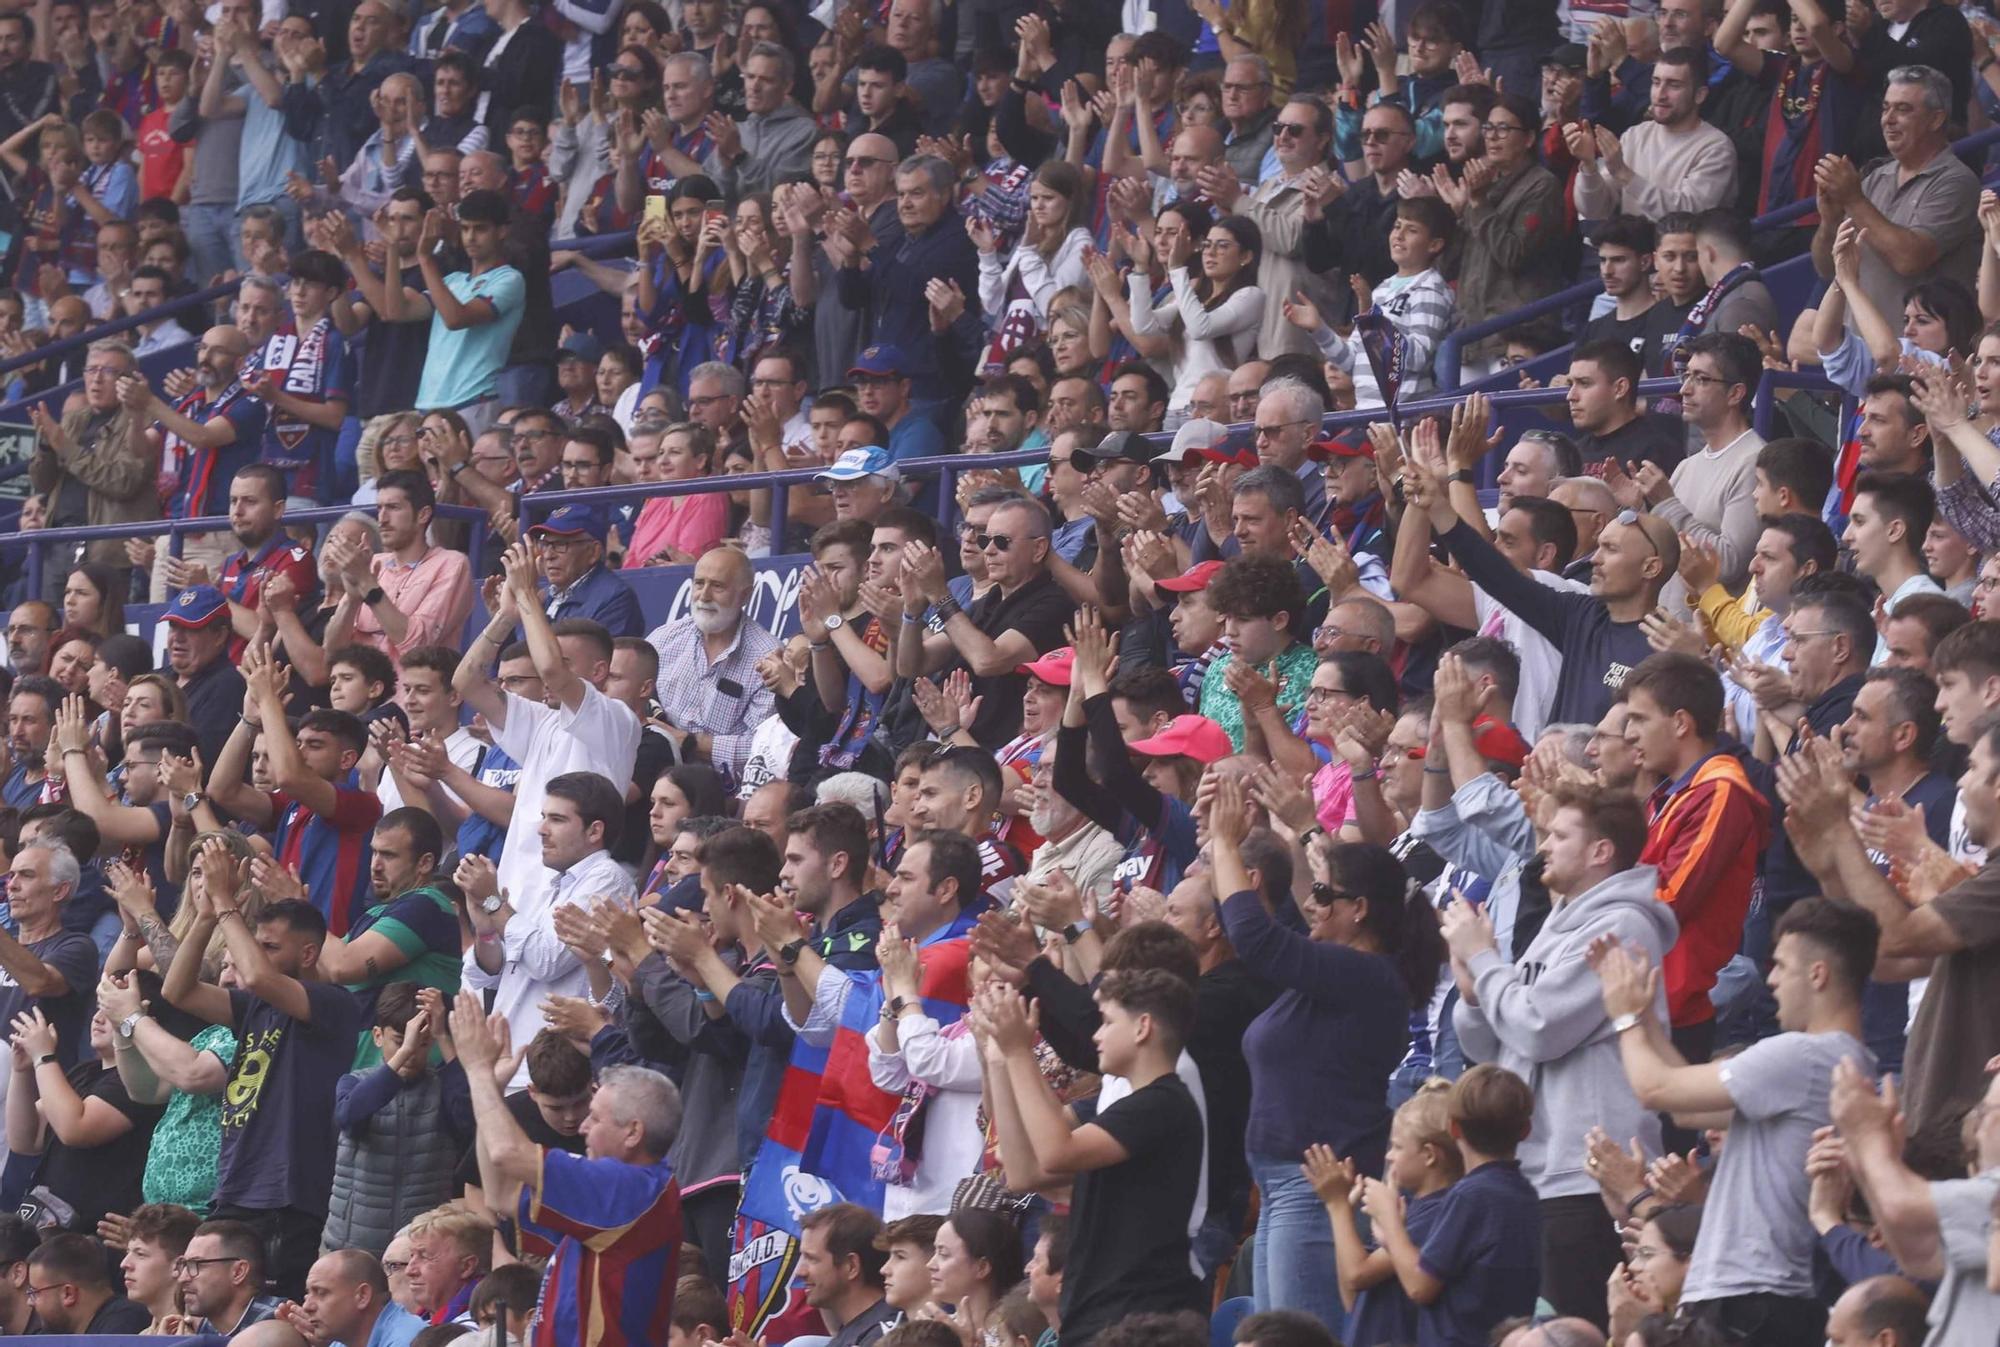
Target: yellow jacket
{"type": "Point", "coordinates": [1730, 620]}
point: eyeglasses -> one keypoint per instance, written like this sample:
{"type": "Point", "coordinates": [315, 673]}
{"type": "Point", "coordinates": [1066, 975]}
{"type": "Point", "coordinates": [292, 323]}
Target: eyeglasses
{"type": "Point", "coordinates": [187, 1267]}
{"type": "Point", "coordinates": [1217, 245]}
{"type": "Point", "coordinates": [1377, 134]}
{"type": "Point", "coordinates": [1698, 379]}
{"type": "Point", "coordinates": [771, 383]}
{"type": "Point", "coordinates": [403, 438]}
{"type": "Point", "coordinates": [998, 542]}
{"type": "Point", "coordinates": [1325, 895]}
{"type": "Point", "coordinates": [1271, 432]}
{"type": "Point", "coordinates": [34, 1290]}
{"type": "Point", "coordinates": [1289, 128]}
{"type": "Point", "coordinates": [534, 434]}
{"type": "Point", "coordinates": [1500, 128]}
{"type": "Point", "coordinates": [1796, 636]}
{"type": "Point", "coordinates": [103, 371]}
{"type": "Point", "coordinates": [1631, 517]}
{"type": "Point", "coordinates": [1231, 87]}
{"type": "Point", "coordinates": [1328, 694]}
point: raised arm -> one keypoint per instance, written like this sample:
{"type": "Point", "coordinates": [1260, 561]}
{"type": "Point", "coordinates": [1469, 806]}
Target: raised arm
{"type": "Point", "coordinates": [222, 874]}
{"type": "Point", "coordinates": [471, 681]}
{"type": "Point", "coordinates": [557, 677]}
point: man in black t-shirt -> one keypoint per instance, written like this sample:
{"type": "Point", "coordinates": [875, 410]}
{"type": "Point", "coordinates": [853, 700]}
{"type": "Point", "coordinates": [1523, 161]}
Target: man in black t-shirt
{"type": "Point", "coordinates": [1604, 407]}
{"type": "Point", "coordinates": [73, 1291]}
{"type": "Point", "coordinates": [296, 1036]}
{"type": "Point", "coordinates": [1021, 617]}
{"type": "Point", "coordinates": [1625, 266]}
{"type": "Point", "coordinates": [392, 361]}
{"type": "Point", "coordinates": [50, 967]}
{"type": "Point", "coordinates": [1136, 1165]}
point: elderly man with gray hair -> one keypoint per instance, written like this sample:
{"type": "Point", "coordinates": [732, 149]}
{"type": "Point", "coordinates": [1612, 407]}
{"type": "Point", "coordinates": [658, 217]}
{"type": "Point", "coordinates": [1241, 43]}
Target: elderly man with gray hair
{"type": "Point", "coordinates": [1919, 208]}
{"type": "Point", "coordinates": [773, 142]}
{"type": "Point", "coordinates": [93, 466]}
{"type": "Point", "coordinates": [609, 1220]}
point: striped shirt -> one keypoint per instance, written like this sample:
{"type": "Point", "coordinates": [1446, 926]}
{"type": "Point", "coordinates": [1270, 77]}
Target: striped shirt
{"type": "Point", "coordinates": [1424, 313]}
{"type": "Point", "coordinates": [722, 697]}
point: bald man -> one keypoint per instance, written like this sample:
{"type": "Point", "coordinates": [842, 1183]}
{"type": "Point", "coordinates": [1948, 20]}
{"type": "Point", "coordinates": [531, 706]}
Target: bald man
{"type": "Point", "coordinates": [347, 1301]}
{"type": "Point", "coordinates": [1195, 148]}
{"type": "Point", "coordinates": [710, 694]}
{"type": "Point", "coordinates": [1878, 1312]}
{"type": "Point", "coordinates": [1591, 504]}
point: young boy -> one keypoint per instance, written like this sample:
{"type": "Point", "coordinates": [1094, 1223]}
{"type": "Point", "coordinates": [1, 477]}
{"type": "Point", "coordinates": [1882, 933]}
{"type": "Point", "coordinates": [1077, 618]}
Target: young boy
{"type": "Point", "coordinates": [396, 1135]}
{"type": "Point", "coordinates": [59, 234]}
{"type": "Point", "coordinates": [114, 187]}
{"type": "Point", "coordinates": [906, 1274]}
{"type": "Point", "coordinates": [362, 682]}
{"type": "Point", "coordinates": [534, 190]}
{"type": "Point", "coordinates": [166, 165]}
{"type": "Point", "coordinates": [1135, 1166]}
{"type": "Point", "coordinates": [1482, 1260]}
{"type": "Point", "coordinates": [1415, 300]}
{"type": "Point", "coordinates": [307, 380]}
{"type": "Point", "coordinates": [1793, 477]}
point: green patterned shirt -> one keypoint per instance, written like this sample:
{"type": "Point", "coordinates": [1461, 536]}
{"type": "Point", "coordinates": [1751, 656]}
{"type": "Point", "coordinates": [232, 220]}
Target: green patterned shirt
{"type": "Point", "coordinates": [1292, 671]}
{"type": "Point", "coordinates": [187, 1143]}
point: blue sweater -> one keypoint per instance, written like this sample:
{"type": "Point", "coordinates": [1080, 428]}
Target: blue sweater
{"type": "Point", "coordinates": [1321, 1056]}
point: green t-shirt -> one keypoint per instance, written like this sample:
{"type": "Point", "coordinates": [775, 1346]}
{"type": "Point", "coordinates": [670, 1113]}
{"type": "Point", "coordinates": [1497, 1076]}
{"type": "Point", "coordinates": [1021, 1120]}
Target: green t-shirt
{"type": "Point", "coordinates": [1292, 672]}
{"type": "Point", "coordinates": [423, 926]}
{"type": "Point", "coordinates": [187, 1143]}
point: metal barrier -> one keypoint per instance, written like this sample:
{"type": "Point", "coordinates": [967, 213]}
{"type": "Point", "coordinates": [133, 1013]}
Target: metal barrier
{"type": "Point", "coordinates": [177, 529]}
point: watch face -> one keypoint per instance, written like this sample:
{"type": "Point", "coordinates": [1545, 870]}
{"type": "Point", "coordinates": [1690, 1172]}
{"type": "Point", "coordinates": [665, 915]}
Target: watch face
{"type": "Point", "coordinates": [835, 622]}
{"type": "Point", "coordinates": [491, 904]}
{"type": "Point", "coordinates": [190, 800]}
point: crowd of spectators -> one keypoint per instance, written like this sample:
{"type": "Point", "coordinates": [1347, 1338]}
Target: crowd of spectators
{"type": "Point", "coordinates": [1200, 859]}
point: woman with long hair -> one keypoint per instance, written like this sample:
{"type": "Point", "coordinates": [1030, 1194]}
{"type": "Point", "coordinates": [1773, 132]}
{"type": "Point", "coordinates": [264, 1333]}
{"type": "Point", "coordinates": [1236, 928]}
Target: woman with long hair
{"type": "Point", "coordinates": [762, 312]}
{"type": "Point", "coordinates": [975, 1261]}
{"type": "Point", "coordinates": [1174, 242]}
{"type": "Point", "coordinates": [1215, 309]}
{"type": "Point", "coordinates": [587, 131]}
{"type": "Point", "coordinates": [1320, 1057]}
{"type": "Point", "coordinates": [1018, 292]}
{"type": "Point", "coordinates": [683, 282]}
{"type": "Point", "coordinates": [93, 598]}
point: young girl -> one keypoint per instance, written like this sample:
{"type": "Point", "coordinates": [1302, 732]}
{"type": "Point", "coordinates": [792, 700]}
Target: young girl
{"type": "Point", "coordinates": [1423, 1162]}
{"type": "Point", "coordinates": [1020, 290]}
{"type": "Point", "coordinates": [762, 313]}
{"type": "Point", "coordinates": [681, 278]}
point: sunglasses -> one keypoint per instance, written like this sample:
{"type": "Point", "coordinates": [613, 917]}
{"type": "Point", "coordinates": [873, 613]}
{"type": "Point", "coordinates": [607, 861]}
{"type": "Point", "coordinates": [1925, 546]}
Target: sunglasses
{"type": "Point", "coordinates": [1289, 128]}
{"type": "Point", "coordinates": [1631, 517]}
{"type": "Point", "coordinates": [998, 542]}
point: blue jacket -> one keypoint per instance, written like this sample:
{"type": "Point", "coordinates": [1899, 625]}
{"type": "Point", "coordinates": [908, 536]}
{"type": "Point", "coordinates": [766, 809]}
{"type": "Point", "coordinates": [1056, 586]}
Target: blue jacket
{"type": "Point", "coordinates": [891, 293]}
{"type": "Point", "coordinates": [603, 598]}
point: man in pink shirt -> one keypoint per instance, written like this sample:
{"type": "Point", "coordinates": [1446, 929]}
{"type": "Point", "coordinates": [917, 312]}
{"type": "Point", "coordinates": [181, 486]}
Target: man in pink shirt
{"type": "Point", "coordinates": [409, 594]}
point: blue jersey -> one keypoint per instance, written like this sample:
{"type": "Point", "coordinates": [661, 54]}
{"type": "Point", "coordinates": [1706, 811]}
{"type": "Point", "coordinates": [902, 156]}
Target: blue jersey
{"type": "Point", "coordinates": [314, 366]}
{"type": "Point", "coordinates": [612, 1232]}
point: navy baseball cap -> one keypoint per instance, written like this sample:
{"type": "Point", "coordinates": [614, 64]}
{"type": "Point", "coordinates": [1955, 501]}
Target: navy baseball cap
{"type": "Point", "coordinates": [197, 606]}
{"type": "Point", "coordinates": [574, 521]}
{"type": "Point", "coordinates": [882, 361]}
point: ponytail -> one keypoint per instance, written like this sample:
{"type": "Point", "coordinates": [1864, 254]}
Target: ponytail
{"type": "Point", "coordinates": [1399, 916]}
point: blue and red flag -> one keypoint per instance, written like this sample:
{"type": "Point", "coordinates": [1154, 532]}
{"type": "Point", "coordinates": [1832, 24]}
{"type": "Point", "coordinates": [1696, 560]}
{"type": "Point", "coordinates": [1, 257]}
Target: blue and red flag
{"type": "Point", "coordinates": [819, 1146]}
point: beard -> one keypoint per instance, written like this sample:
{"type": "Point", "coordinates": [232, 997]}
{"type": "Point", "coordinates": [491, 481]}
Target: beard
{"type": "Point", "coordinates": [712, 619]}
{"type": "Point", "coordinates": [1051, 814]}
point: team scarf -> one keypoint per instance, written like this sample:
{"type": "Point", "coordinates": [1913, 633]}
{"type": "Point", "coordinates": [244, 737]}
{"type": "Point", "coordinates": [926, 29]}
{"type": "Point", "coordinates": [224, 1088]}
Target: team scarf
{"type": "Point", "coordinates": [304, 361]}
{"type": "Point", "coordinates": [182, 463]}
{"type": "Point", "coordinates": [1697, 317]}
{"type": "Point", "coordinates": [821, 1146]}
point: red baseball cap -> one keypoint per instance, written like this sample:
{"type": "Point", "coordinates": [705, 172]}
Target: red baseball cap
{"type": "Point", "coordinates": [1195, 577]}
{"type": "Point", "coordinates": [1052, 668]}
{"type": "Point", "coordinates": [1352, 443]}
{"type": "Point", "coordinates": [1238, 446]}
{"type": "Point", "coordinates": [1188, 736]}
{"type": "Point", "coordinates": [1496, 741]}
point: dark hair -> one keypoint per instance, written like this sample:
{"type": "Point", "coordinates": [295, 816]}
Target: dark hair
{"type": "Point", "coordinates": [111, 590]}
{"type": "Point", "coordinates": [273, 480]}
{"type": "Point", "coordinates": [347, 728]}
{"type": "Point", "coordinates": [1811, 540]}
{"type": "Point", "coordinates": [128, 654]}
{"type": "Point", "coordinates": [423, 496]}
{"type": "Point", "coordinates": [1972, 650]}
{"type": "Point", "coordinates": [1845, 933]}
{"type": "Point", "coordinates": [703, 787]}
{"type": "Point", "coordinates": [742, 855]}
{"type": "Point", "coordinates": [514, 1288]}
{"type": "Point", "coordinates": [1491, 655]}
{"type": "Point", "coordinates": [161, 1223]}
{"type": "Point", "coordinates": [856, 535]}
{"type": "Point", "coordinates": [556, 1066]}
{"type": "Point", "coordinates": [74, 1258]}
{"type": "Point", "coordinates": [1012, 387]}
{"type": "Point", "coordinates": [954, 857]}
{"type": "Point", "coordinates": [1153, 992]}
{"type": "Point", "coordinates": [921, 1333]}
{"type": "Point", "coordinates": [1939, 614]}
{"type": "Point", "coordinates": [40, 685]}
{"type": "Point", "coordinates": [1848, 614]}
{"type": "Point", "coordinates": [970, 764]}
{"type": "Point", "coordinates": [1676, 683]}
{"type": "Point", "coordinates": [395, 1006]}
{"type": "Point", "coordinates": [850, 1231]}
{"type": "Point", "coordinates": [915, 525]}
{"type": "Point", "coordinates": [1478, 97]}
{"type": "Point", "coordinates": [1551, 523]}
{"type": "Point", "coordinates": [1248, 237]}
{"type": "Point", "coordinates": [1156, 383]}
{"type": "Point", "coordinates": [318, 267]}
{"type": "Point", "coordinates": [697, 1301]}
{"type": "Point", "coordinates": [1525, 112]}
{"type": "Point", "coordinates": [18, 1238]}
{"type": "Point", "coordinates": [460, 61]}
{"type": "Point", "coordinates": [1267, 854]}
{"type": "Point", "coordinates": [426, 838]}
{"type": "Point", "coordinates": [1432, 214]}
{"type": "Point", "coordinates": [990, 1236]}
{"type": "Point", "coordinates": [1283, 489]}
{"type": "Point", "coordinates": [1181, 1329]}
{"type": "Point", "coordinates": [1162, 48]}
{"type": "Point", "coordinates": [486, 207]}
{"type": "Point", "coordinates": [915, 1230]}
{"type": "Point", "coordinates": [1404, 926]}
{"type": "Point", "coordinates": [596, 801]}
{"type": "Point", "coordinates": [1283, 1328]}
{"type": "Point", "coordinates": [834, 829]}
{"type": "Point", "coordinates": [1149, 691]}
{"type": "Point", "coordinates": [1735, 355]}
{"type": "Point", "coordinates": [885, 60]}
{"type": "Point", "coordinates": [176, 59]}
{"type": "Point", "coordinates": [1678, 1225]}
{"type": "Point", "coordinates": [1727, 228]}
{"type": "Point", "coordinates": [441, 660]}
{"type": "Point", "coordinates": [372, 665]}
{"type": "Point", "coordinates": [1615, 359]}
{"type": "Point", "coordinates": [1627, 231]}
{"type": "Point", "coordinates": [1369, 674]}
{"type": "Point", "coordinates": [297, 916]}
{"type": "Point", "coordinates": [240, 1242]}
{"type": "Point", "coordinates": [1259, 586]}
{"type": "Point", "coordinates": [169, 736]}
{"type": "Point", "coordinates": [1892, 1305]}
{"type": "Point", "coordinates": [1915, 701]}
{"type": "Point", "coordinates": [1801, 466]}
{"type": "Point", "coordinates": [1904, 496]}
{"type": "Point", "coordinates": [1951, 304]}
{"type": "Point", "coordinates": [1055, 1232]}
{"type": "Point", "coordinates": [72, 827]}
{"type": "Point", "coordinates": [1492, 1107]}
{"type": "Point", "coordinates": [1693, 58]}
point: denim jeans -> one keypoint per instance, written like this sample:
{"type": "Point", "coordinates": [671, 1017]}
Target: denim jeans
{"type": "Point", "coordinates": [1293, 1265]}
{"type": "Point", "coordinates": [211, 235]}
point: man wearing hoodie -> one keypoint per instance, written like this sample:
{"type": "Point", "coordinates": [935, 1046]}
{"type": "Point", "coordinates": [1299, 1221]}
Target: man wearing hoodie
{"type": "Point", "coordinates": [773, 143]}
{"type": "Point", "coordinates": [1707, 827]}
{"type": "Point", "coordinates": [1542, 1017]}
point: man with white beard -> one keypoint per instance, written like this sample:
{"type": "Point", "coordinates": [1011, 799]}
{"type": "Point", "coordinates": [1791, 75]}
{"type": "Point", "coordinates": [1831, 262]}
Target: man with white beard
{"type": "Point", "coordinates": [710, 695]}
{"type": "Point", "coordinates": [1088, 853]}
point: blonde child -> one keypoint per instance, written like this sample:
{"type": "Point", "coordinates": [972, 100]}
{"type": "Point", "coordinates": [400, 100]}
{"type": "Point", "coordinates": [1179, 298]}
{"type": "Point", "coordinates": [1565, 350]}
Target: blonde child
{"type": "Point", "coordinates": [1423, 1162]}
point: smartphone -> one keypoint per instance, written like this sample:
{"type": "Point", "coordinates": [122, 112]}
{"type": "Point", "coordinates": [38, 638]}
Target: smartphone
{"type": "Point", "coordinates": [719, 209]}
{"type": "Point", "coordinates": [656, 209]}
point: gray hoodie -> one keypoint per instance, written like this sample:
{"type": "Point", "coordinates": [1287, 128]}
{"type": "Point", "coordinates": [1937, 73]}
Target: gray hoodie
{"type": "Point", "coordinates": [777, 146]}
{"type": "Point", "coordinates": [1543, 1019]}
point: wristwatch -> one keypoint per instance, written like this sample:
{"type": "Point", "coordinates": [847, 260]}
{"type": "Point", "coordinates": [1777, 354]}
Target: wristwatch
{"type": "Point", "coordinates": [130, 1024]}
{"type": "Point", "coordinates": [1074, 931]}
{"type": "Point", "coordinates": [192, 801]}
{"type": "Point", "coordinates": [893, 1007]}
{"type": "Point", "coordinates": [492, 903]}
{"type": "Point", "coordinates": [789, 954]}
{"type": "Point", "coordinates": [373, 596]}
{"type": "Point", "coordinates": [1620, 1023]}
{"type": "Point", "coordinates": [834, 622]}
